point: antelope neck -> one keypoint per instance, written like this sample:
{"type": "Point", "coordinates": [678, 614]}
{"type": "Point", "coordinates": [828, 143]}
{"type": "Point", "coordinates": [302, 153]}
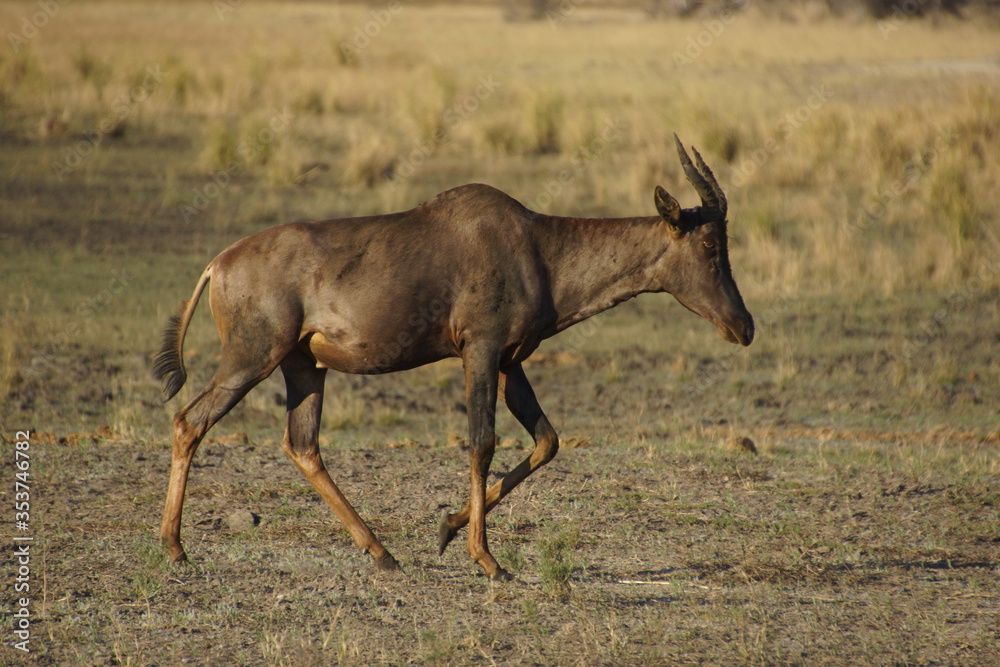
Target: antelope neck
{"type": "Point", "coordinates": [596, 263]}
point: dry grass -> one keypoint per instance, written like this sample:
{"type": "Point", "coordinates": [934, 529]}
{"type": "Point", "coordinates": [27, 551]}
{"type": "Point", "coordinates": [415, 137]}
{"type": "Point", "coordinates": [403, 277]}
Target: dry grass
{"type": "Point", "coordinates": [872, 166]}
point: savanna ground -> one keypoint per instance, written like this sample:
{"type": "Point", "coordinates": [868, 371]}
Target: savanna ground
{"type": "Point", "coordinates": [860, 159]}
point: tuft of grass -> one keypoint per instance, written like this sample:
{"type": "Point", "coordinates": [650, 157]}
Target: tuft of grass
{"type": "Point", "coordinates": [310, 102]}
{"type": "Point", "coordinates": [371, 160]}
{"type": "Point", "coordinates": [614, 372]}
{"type": "Point", "coordinates": [11, 341]}
{"type": "Point", "coordinates": [547, 116]}
{"type": "Point", "coordinates": [950, 200]}
{"type": "Point", "coordinates": [20, 68]}
{"type": "Point", "coordinates": [258, 142]}
{"type": "Point", "coordinates": [181, 84]}
{"type": "Point", "coordinates": [230, 146]}
{"type": "Point", "coordinates": [557, 563]}
{"type": "Point", "coordinates": [219, 150]}
{"type": "Point", "coordinates": [426, 106]}
{"type": "Point", "coordinates": [150, 556]}
{"type": "Point", "coordinates": [434, 649]}
{"type": "Point", "coordinates": [501, 136]}
{"type": "Point", "coordinates": [145, 586]}
{"type": "Point", "coordinates": [530, 610]}
{"type": "Point", "coordinates": [342, 411]}
{"type": "Point", "coordinates": [511, 557]}
{"type": "Point", "coordinates": [389, 417]}
{"type": "Point", "coordinates": [289, 164]}
{"type": "Point", "coordinates": [724, 139]}
{"type": "Point", "coordinates": [93, 70]}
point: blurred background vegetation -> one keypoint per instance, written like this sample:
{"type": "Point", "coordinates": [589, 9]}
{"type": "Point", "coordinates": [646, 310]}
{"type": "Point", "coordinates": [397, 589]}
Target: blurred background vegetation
{"type": "Point", "coordinates": [859, 147]}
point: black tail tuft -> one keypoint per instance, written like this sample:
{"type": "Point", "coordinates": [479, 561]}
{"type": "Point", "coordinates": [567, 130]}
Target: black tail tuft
{"type": "Point", "coordinates": [168, 364]}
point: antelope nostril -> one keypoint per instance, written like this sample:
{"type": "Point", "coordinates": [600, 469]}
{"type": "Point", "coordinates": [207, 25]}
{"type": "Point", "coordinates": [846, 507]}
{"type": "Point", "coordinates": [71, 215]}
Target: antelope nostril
{"type": "Point", "coordinates": [748, 332]}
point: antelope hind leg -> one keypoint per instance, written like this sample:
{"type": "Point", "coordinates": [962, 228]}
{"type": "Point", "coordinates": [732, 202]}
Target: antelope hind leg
{"type": "Point", "coordinates": [305, 384]}
{"type": "Point", "coordinates": [191, 424]}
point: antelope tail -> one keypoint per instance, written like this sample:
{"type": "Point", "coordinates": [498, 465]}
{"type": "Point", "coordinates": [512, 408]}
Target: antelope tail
{"type": "Point", "coordinates": [168, 364]}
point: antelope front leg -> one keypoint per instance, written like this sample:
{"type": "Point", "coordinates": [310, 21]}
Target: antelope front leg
{"type": "Point", "coordinates": [481, 401]}
{"type": "Point", "coordinates": [521, 401]}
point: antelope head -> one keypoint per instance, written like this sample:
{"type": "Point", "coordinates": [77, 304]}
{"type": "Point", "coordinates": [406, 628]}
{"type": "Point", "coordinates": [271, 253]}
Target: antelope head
{"type": "Point", "coordinates": [700, 276]}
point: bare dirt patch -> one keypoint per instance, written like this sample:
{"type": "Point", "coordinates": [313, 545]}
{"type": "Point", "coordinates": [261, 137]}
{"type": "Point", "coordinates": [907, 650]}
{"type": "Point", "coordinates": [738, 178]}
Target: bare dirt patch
{"type": "Point", "coordinates": [639, 544]}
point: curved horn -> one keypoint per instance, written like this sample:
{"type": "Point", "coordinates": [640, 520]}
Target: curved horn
{"type": "Point", "coordinates": [713, 200]}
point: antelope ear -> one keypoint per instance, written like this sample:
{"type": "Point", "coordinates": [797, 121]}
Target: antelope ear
{"type": "Point", "coordinates": [669, 210]}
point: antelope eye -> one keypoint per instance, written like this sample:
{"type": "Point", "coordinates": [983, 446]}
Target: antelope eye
{"type": "Point", "coordinates": [708, 244]}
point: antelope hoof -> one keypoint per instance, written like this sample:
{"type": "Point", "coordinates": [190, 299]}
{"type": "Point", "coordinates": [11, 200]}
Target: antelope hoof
{"type": "Point", "coordinates": [175, 553]}
{"type": "Point", "coordinates": [502, 575]}
{"type": "Point", "coordinates": [445, 533]}
{"type": "Point", "coordinates": [387, 563]}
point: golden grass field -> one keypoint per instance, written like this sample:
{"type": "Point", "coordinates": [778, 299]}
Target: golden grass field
{"type": "Point", "coordinates": [855, 158]}
{"type": "Point", "coordinates": [861, 162]}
